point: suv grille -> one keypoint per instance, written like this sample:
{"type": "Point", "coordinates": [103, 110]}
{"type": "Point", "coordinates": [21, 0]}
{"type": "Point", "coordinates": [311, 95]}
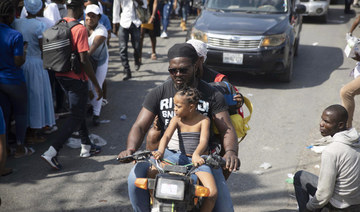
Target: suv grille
{"type": "Point", "coordinates": [229, 43]}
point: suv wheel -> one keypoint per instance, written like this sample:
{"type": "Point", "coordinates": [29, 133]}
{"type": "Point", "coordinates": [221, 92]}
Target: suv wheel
{"type": "Point", "coordinates": [288, 72]}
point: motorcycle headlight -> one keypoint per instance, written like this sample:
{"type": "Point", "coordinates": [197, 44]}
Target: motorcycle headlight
{"type": "Point", "coordinates": [170, 189]}
{"type": "Point", "coordinates": [198, 35]}
{"type": "Point", "coordinates": [273, 40]}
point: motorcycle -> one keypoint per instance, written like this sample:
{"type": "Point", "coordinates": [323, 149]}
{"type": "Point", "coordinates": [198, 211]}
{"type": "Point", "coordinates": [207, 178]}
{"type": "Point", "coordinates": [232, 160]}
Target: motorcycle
{"type": "Point", "coordinates": [174, 187]}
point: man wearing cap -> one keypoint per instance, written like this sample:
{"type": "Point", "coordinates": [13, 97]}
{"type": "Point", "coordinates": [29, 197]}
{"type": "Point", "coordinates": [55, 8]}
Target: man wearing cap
{"type": "Point", "coordinates": [75, 86]}
{"type": "Point", "coordinates": [129, 25]}
{"type": "Point", "coordinates": [183, 66]}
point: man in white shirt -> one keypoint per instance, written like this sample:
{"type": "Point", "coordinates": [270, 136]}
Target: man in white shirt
{"type": "Point", "coordinates": [129, 24]}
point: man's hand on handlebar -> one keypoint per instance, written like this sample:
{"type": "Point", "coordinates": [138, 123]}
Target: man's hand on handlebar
{"type": "Point", "coordinates": [232, 161]}
{"type": "Point", "coordinates": [124, 154]}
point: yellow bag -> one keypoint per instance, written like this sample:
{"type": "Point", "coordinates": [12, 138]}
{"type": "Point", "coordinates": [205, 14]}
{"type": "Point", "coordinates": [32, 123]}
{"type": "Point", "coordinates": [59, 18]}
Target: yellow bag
{"type": "Point", "coordinates": [240, 124]}
{"type": "Point", "coordinates": [148, 26]}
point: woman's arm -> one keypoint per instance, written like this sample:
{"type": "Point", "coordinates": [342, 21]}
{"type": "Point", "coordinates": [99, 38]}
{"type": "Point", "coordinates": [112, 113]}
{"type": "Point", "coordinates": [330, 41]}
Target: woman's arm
{"type": "Point", "coordinates": [153, 13]}
{"type": "Point", "coordinates": [98, 40]}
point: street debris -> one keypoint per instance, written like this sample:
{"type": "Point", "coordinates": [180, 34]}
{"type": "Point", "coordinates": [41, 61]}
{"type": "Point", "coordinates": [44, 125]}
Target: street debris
{"type": "Point", "coordinates": [104, 121]}
{"type": "Point", "coordinates": [75, 143]}
{"type": "Point", "coordinates": [315, 44]}
{"type": "Point", "coordinates": [317, 166]}
{"type": "Point", "coordinates": [123, 117]}
{"type": "Point", "coordinates": [318, 149]}
{"type": "Point", "coordinates": [257, 172]}
{"type": "Point", "coordinates": [290, 178]}
{"type": "Point", "coordinates": [265, 165]}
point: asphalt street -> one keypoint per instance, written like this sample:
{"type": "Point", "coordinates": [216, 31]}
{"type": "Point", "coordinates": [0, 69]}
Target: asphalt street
{"type": "Point", "coordinates": [285, 120]}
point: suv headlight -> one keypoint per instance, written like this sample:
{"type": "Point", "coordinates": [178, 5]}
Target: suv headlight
{"type": "Point", "coordinates": [273, 40]}
{"type": "Point", "coordinates": [198, 35]}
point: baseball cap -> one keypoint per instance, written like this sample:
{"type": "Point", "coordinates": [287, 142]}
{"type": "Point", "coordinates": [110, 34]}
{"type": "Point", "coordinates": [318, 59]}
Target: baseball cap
{"type": "Point", "coordinates": [74, 3]}
{"type": "Point", "coordinates": [92, 8]}
{"type": "Point", "coordinates": [33, 6]}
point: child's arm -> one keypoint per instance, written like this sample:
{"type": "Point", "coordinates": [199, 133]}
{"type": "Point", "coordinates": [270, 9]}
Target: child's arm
{"type": "Point", "coordinates": [203, 143]}
{"type": "Point", "coordinates": [166, 138]}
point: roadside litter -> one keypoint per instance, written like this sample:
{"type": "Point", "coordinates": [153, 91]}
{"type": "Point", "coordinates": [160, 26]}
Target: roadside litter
{"type": "Point", "coordinates": [95, 139]}
{"type": "Point", "coordinates": [316, 149]}
{"type": "Point", "coordinates": [123, 117]}
{"type": "Point", "coordinates": [104, 121]}
{"type": "Point", "coordinates": [290, 178]}
{"type": "Point", "coordinates": [257, 172]}
{"type": "Point", "coordinates": [265, 165]}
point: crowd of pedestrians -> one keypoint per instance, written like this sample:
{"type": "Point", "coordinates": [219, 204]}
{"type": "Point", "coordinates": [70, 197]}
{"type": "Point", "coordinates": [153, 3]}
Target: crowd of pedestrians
{"type": "Point", "coordinates": [32, 98]}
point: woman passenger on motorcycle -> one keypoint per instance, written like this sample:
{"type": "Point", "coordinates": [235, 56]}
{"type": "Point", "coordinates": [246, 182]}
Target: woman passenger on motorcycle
{"type": "Point", "coordinates": [193, 129]}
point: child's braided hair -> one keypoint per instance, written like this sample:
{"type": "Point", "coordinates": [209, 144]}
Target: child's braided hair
{"type": "Point", "coordinates": [192, 95]}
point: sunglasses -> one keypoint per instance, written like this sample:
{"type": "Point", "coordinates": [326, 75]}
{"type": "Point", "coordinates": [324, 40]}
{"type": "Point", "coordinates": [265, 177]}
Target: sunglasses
{"type": "Point", "coordinates": [174, 71]}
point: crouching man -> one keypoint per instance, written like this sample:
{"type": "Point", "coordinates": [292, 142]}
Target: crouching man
{"type": "Point", "coordinates": [338, 186]}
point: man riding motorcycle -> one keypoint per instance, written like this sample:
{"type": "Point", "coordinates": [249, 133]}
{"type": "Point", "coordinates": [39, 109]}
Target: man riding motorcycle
{"type": "Point", "coordinates": [183, 65]}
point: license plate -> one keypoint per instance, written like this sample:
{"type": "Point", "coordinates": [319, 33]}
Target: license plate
{"type": "Point", "coordinates": [169, 189]}
{"type": "Point", "coordinates": [233, 58]}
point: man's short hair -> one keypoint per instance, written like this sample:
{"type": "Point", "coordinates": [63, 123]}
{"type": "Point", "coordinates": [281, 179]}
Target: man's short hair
{"type": "Point", "coordinates": [340, 112]}
{"type": "Point", "coordinates": [183, 50]}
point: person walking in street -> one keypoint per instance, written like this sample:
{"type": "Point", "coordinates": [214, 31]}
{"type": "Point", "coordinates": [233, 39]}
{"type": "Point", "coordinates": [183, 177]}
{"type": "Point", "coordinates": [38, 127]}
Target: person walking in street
{"type": "Point", "coordinates": [165, 8]}
{"type": "Point", "coordinates": [152, 27]}
{"type": "Point", "coordinates": [13, 92]}
{"type": "Point", "coordinates": [75, 86]}
{"type": "Point", "coordinates": [98, 52]}
{"type": "Point", "coordinates": [338, 186]}
{"type": "Point", "coordinates": [129, 24]}
{"type": "Point", "coordinates": [350, 90]}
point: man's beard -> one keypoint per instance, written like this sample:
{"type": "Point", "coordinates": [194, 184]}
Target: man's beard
{"type": "Point", "coordinates": [190, 83]}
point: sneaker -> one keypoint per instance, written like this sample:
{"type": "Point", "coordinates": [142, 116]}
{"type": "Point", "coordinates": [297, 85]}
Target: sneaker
{"type": "Point", "coordinates": [50, 157]}
{"type": "Point", "coordinates": [164, 35]}
{"type": "Point", "coordinates": [85, 151]}
{"type": "Point", "coordinates": [95, 149]}
{"type": "Point", "coordinates": [88, 150]}
{"type": "Point", "coordinates": [104, 102]}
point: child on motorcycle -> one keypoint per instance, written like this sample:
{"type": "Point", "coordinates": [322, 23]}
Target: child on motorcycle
{"type": "Point", "coordinates": [193, 130]}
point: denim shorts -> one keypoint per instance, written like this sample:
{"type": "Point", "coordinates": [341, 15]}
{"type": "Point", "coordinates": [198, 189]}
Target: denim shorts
{"type": "Point", "coordinates": [181, 159]}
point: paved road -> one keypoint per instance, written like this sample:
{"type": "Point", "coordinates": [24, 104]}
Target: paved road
{"type": "Point", "coordinates": [285, 120]}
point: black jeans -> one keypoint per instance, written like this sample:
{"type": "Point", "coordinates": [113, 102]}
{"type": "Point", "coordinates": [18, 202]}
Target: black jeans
{"type": "Point", "coordinates": [77, 93]}
{"type": "Point", "coordinates": [306, 183]}
{"type": "Point", "coordinates": [13, 99]}
{"type": "Point", "coordinates": [123, 42]}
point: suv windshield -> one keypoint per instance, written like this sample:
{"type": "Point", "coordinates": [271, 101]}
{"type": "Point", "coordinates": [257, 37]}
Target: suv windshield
{"type": "Point", "coordinates": [250, 6]}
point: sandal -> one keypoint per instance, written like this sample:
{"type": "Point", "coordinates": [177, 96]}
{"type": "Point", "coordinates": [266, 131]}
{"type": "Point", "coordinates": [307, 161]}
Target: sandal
{"type": "Point", "coordinates": [153, 56]}
{"type": "Point", "coordinates": [28, 151]}
{"type": "Point", "coordinates": [6, 171]}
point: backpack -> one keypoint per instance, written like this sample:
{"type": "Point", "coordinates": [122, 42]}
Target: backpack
{"type": "Point", "coordinates": [57, 51]}
{"type": "Point", "coordinates": [239, 122]}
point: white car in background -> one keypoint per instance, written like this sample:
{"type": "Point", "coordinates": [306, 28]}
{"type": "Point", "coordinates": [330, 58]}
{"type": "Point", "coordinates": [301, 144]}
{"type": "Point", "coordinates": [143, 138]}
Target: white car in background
{"type": "Point", "coordinates": [316, 8]}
